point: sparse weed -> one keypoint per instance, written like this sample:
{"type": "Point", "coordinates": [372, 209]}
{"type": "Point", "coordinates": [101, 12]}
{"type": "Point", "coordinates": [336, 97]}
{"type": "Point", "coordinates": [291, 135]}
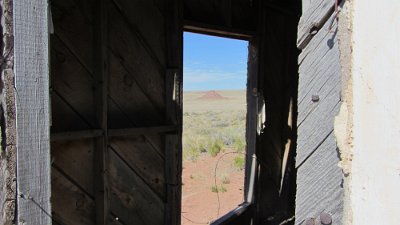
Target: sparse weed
{"type": "Point", "coordinates": [215, 148]}
{"type": "Point", "coordinates": [238, 162]}
{"type": "Point", "coordinates": [225, 180]}
{"type": "Point", "coordinates": [218, 189]}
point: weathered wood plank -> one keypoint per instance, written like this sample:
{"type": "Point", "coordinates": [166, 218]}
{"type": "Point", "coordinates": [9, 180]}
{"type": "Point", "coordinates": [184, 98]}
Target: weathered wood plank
{"type": "Point", "coordinates": [317, 126]}
{"type": "Point", "coordinates": [68, 12]}
{"type": "Point", "coordinates": [72, 81]}
{"type": "Point", "coordinates": [143, 159]}
{"type": "Point", "coordinates": [278, 82]}
{"type": "Point", "coordinates": [31, 51]}
{"type": "Point", "coordinates": [252, 98]}
{"type": "Point", "coordinates": [141, 131]}
{"type": "Point", "coordinates": [320, 75]}
{"type": "Point", "coordinates": [173, 177]}
{"type": "Point", "coordinates": [173, 99]}
{"type": "Point", "coordinates": [101, 80]}
{"type": "Point", "coordinates": [64, 117]}
{"type": "Point", "coordinates": [137, 131]}
{"type": "Point", "coordinates": [74, 135]}
{"type": "Point", "coordinates": [131, 199]}
{"type": "Point", "coordinates": [130, 97]}
{"type": "Point", "coordinates": [319, 184]}
{"type": "Point", "coordinates": [149, 23]}
{"type": "Point", "coordinates": [312, 20]}
{"type": "Point", "coordinates": [73, 24]}
{"type": "Point", "coordinates": [234, 215]}
{"type": "Point", "coordinates": [118, 119]}
{"type": "Point", "coordinates": [216, 30]}
{"type": "Point", "coordinates": [73, 206]}
{"type": "Point", "coordinates": [136, 60]}
{"type": "Point", "coordinates": [238, 14]}
{"type": "Point", "coordinates": [75, 159]}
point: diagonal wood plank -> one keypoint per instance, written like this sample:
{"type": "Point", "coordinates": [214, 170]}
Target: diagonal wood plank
{"type": "Point", "coordinates": [73, 207]}
{"type": "Point", "coordinates": [143, 159]}
{"type": "Point", "coordinates": [131, 199]}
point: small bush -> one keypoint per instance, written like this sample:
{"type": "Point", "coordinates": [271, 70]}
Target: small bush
{"type": "Point", "coordinates": [239, 162]}
{"type": "Point", "coordinates": [215, 148]}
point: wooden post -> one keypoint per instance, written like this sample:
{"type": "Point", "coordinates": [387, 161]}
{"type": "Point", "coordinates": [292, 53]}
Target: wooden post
{"type": "Point", "coordinates": [31, 49]}
{"type": "Point", "coordinates": [101, 154]}
{"type": "Point", "coordinates": [252, 110]}
{"type": "Point", "coordinates": [173, 84]}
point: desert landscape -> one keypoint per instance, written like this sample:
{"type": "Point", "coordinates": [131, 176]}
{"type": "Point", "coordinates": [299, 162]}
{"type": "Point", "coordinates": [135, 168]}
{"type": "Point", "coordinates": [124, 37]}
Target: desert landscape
{"type": "Point", "coordinates": [213, 154]}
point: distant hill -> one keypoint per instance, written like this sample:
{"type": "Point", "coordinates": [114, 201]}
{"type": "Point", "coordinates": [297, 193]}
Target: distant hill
{"type": "Point", "coordinates": [212, 95]}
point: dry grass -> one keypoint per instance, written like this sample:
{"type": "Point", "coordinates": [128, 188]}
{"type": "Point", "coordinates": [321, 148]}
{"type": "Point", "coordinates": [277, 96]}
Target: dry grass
{"type": "Point", "coordinates": [212, 126]}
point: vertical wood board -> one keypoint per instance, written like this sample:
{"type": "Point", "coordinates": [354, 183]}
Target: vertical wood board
{"type": "Point", "coordinates": [31, 50]}
{"type": "Point", "coordinates": [252, 98]}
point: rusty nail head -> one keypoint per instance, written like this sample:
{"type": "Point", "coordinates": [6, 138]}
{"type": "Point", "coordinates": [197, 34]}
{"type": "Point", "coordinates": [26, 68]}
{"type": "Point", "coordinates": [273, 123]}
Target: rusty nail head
{"type": "Point", "coordinates": [315, 98]}
{"type": "Point", "coordinates": [310, 221]}
{"type": "Point", "coordinates": [326, 218]}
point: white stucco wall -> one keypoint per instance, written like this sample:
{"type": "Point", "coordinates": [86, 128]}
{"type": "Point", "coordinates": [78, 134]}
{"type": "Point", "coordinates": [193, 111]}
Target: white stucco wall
{"type": "Point", "coordinates": [375, 185]}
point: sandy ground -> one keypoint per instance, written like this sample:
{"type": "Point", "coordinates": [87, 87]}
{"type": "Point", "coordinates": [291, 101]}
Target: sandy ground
{"type": "Point", "coordinates": [199, 203]}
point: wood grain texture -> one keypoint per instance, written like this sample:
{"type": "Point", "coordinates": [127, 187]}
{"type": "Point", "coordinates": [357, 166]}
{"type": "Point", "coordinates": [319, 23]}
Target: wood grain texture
{"type": "Point", "coordinates": [31, 48]}
{"type": "Point", "coordinates": [319, 184]}
{"type": "Point", "coordinates": [118, 119]}
{"type": "Point", "coordinates": [129, 97]}
{"type": "Point", "coordinates": [73, 83]}
{"type": "Point", "coordinates": [320, 75]}
{"type": "Point", "coordinates": [74, 19]}
{"type": "Point", "coordinates": [134, 57]}
{"type": "Point", "coordinates": [278, 84]}
{"type": "Point", "coordinates": [314, 17]}
{"type": "Point", "coordinates": [64, 117]}
{"type": "Point", "coordinates": [319, 179]}
{"type": "Point", "coordinates": [143, 159]}
{"type": "Point", "coordinates": [131, 200]}
{"type": "Point", "coordinates": [148, 22]}
{"type": "Point", "coordinates": [74, 159]}
{"type": "Point", "coordinates": [74, 206]}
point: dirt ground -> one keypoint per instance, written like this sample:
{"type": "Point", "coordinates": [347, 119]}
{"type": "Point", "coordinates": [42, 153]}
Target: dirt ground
{"type": "Point", "coordinates": [199, 202]}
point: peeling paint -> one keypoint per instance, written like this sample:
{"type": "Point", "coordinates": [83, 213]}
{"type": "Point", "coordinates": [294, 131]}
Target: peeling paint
{"type": "Point", "coordinates": [343, 125]}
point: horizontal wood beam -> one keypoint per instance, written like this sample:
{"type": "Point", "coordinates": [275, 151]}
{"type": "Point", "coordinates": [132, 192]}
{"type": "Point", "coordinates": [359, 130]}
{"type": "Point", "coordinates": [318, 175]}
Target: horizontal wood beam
{"type": "Point", "coordinates": [141, 131]}
{"type": "Point", "coordinates": [84, 134]}
{"type": "Point", "coordinates": [73, 135]}
{"type": "Point", "coordinates": [217, 30]}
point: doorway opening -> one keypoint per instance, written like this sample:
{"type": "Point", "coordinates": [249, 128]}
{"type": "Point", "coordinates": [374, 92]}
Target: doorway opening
{"type": "Point", "coordinates": [214, 127]}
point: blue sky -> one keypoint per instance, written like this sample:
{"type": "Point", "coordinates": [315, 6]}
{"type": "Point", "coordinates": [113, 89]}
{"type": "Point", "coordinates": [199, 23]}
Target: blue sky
{"type": "Point", "coordinates": [213, 63]}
